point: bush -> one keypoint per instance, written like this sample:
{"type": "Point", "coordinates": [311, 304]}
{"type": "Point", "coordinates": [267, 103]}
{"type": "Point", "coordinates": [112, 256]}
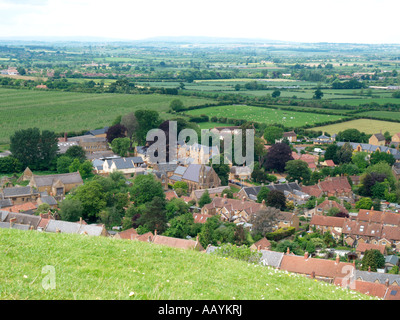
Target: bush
{"type": "Point", "coordinates": [280, 233]}
{"type": "Point", "coordinates": [243, 253]}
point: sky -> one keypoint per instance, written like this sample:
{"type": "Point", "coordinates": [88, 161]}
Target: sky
{"type": "Point", "coordinates": [340, 21]}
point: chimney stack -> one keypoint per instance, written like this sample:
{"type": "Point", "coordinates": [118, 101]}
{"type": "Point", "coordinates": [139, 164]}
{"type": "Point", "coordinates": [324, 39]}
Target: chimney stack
{"type": "Point", "coordinates": [337, 258]}
{"type": "Point", "coordinates": [313, 275]}
{"type": "Point", "coordinates": [387, 282]}
{"type": "Point", "coordinates": [12, 221]}
{"type": "Point", "coordinates": [369, 268]}
{"type": "Point", "coordinates": [288, 251]}
{"type": "Point", "coordinates": [306, 255]}
{"type": "Point", "coordinates": [155, 232]}
{"type": "Point", "coordinates": [263, 202]}
{"type": "Point", "coordinates": [259, 248]}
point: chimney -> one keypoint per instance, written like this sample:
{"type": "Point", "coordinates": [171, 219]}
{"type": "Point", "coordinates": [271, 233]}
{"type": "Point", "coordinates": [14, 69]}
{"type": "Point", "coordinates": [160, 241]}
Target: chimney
{"type": "Point", "coordinates": [224, 195]}
{"type": "Point", "coordinates": [306, 255]}
{"type": "Point", "coordinates": [197, 238]}
{"type": "Point", "coordinates": [155, 232]}
{"type": "Point", "coordinates": [288, 251]}
{"type": "Point", "coordinates": [243, 199]}
{"type": "Point", "coordinates": [149, 239]}
{"type": "Point", "coordinates": [80, 220]}
{"type": "Point", "coordinates": [12, 221]}
{"type": "Point", "coordinates": [65, 137]}
{"type": "Point", "coordinates": [369, 268]}
{"type": "Point", "coordinates": [337, 258]}
{"type": "Point", "coordinates": [387, 282]}
{"type": "Point", "coordinates": [372, 208]}
{"type": "Point", "coordinates": [263, 202]}
{"type": "Point", "coordinates": [259, 248]}
{"type": "Point", "coordinates": [313, 275]}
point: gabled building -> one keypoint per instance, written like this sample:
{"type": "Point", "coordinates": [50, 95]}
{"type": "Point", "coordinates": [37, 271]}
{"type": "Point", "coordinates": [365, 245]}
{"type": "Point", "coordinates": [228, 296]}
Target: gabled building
{"type": "Point", "coordinates": [128, 165]}
{"type": "Point", "coordinates": [377, 139]}
{"type": "Point", "coordinates": [338, 187]}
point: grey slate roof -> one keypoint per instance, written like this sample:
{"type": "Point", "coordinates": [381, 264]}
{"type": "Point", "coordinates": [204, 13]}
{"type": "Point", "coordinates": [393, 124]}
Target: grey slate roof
{"type": "Point", "coordinates": [21, 218]}
{"type": "Point", "coordinates": [289, 187]}
{"type": "Point", "coordinates": [5, 203]}
{"type": "Point", "coordinates": [49, 200]}
{"type": "Point", "coordinates": [271, 258]}
{"type": "Point", "coordinates": [98, 131]}
{"type": "Point", "coordinates": [17, 191]}
{"type": "Point", "coordinates": [66, 178]}
{"type": "Point", "coordinates": [192, 172]}
{"type": "Point", "coordinates": [376, 276]}
{"type": "Point", "coordinates": [73, 227]}
{"type": "Point", "coordinates": [392, 259]}
{"type": "Point", "coordinates": [6, 225]}
{"type": "Point", "coordinates": [372, 148]}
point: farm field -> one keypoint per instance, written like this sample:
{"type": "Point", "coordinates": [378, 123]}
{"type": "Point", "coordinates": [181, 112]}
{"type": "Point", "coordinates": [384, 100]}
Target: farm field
{"type": "Point", "coordinates": [68, 111]}
{"type": "Point", "coordinates": [395, 115]}
{"type": "Point", "coordinates": [356, 102]}
{"type": "Point", "coordinates": [264, 115]}
{"type": "Point", "coordinates": [364, 125]}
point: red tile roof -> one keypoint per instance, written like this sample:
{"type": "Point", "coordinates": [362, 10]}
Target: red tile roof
{"type": "Point", "coordinates": [176, 242]}
{"type": "Point", "coordinates": [362, 247]}
{"type": "Point", "coordinates": [327, 221]}
{"type": "Point", "coordinates": [201, 218]}
{"type": "Point", "coordinates": [263, 244]}
{"type": "Point", "coordinates": [22, 207]}
{"type": "Point", "coordinates": [320, 267]}
{"type": "Point", "coordinates": [128, 234]}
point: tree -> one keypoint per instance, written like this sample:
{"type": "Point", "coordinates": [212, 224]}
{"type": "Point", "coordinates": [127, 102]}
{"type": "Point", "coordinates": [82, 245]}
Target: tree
{"type": "Point", "coordinates": [318, 94]}
{"type": "Point", "coordinates": [204, 199]}
{"type": "Point", "coordinates": [74, 166]}
{"type": "Point", "coordinates": [272, 133]}
{"type": "Point", "coordinates": [373, 259]}
{"type": "Point", "coordinates": [86, 169]}
{"type": "Point", "coordinates": [147, 120]}
{"type": "Point", "coordinates": [222, 170]}
{"type": "Point", "coordinates": [71, 210]}
{"type": "Point", "coordinates": [76, 152]}
{"type": "Point", "coordinates": [345, 153]}
{"type": "Point", "coordinates": [145, 188]}
{"type": "Point", "coordinates": [176, 207]}
{"type": "Point", "coordinates": [364, 203]}
{"type": "Point", "coordinates": [120, 146]}
{"type": "Point", "coordinates": [92, 197]}
{"type": "Point", "coordinates": [176, 105]}
{"type": "Point", "coordinates": [298, 170]}
{"type": "Point", "coordinates": [154, 216]}
{"type": "Point", "coordinates": [275, 94]}
{"type": "Point", "coordinates": [277, 199]}
{"type": "Point", "coordinates": [331, 153]}
{"type": "Point", "coordinates": [131, 124]}
{"type": "Point", "coordinates": [264, 221]}
{"type": "Point", "coordinates": [351, 135]}
{"type": "Point", "coordinates": [359, 159]}
{"type": "Point", "coordinates": [277, 156]}
{"type": "Point", "coordinates": [63, 164]}
{"type": "Point", "coordinates": [377, 157]}
{"type": "Point", "coordinates": [116, 131]}
{"type": "Point", "coordinates": [263, 194]}
{"type": "Point", "coordinates": [35, 149]}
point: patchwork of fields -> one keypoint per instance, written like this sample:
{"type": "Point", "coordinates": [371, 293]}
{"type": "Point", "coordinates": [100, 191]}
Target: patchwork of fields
{"type": "Point", "coordinates": [368, 126]}
{"type": "Point", "coordinates": [68, 111]}
{"type": "Point", "coordinates": [265, 115]}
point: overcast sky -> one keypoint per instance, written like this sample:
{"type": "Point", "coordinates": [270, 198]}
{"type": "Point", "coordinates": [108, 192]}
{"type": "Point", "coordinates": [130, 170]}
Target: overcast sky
{"type": "Point", "coordinates": [359, 21]}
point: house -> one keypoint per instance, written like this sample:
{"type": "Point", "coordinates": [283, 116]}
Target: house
{"type": "Point", "coordinates": [213, 192]}
{"type": "Point", "coordinates": [51, 201]}
{"type": "Point", "coordinates": [325, 206]}
{"type": "Point", "coordinates": [383, 291]}
{"type": "Point", "coordinates": [127, 166]}
{"type": "Point", "coordinates": [370, 148]}
{"type": "Point", "coordinates": [20, 220]}
{"type": "Point", "coordinates": [324, 224]}
{"type": "Point", "coordinates": [312, 160]}
{"type": "Point", "coordinates": [232, 210]}
{"type": "Point", "coordinates": [323, 139]}
{"type": "Point", "coordinates": [390, 262]}
{"type": "Point", "coordinates": [141, 151]}
{"type": "Point", "coordinates": [362, 247]}
{"type": "Point", "coordinates": [200, 218]}
{"type": "Point", "coordinates": [271, 258]}
{"type": "Point", "coordinates": [91, 143]}
{"type": "Point", "coordinates": [396, 170]}
{"type": "Point", "coordinates": [328, 163]}
{"type": "Point", "coordinates": [19, 195]}
{"type": "Point", "coordinates": [291, 136]}
{"type": "Point", "coordinates": [59, 226]}
{"type": "Point", "coordinates": [396, 140]}
{"type": "Point", "coordinates": [177, 243]}
{"type": "Point", "coordinates": [27, 207]}
{"type": "Point", "coordinates": [287, 220]}
{"type": "Point", "coordinates": [197, 176]}
{"type": "Point", "coordinates": [338, 187]}
{"type": "Point", "coordinates": [288, 188]}
{"type": "Point", "coordinates": [240, 172]}
{"type": "Point", "coordinates": [377, 277]}
{"type": "Point", "coordinates": [377, 139]}
{"type": "Point", "coordinates": [129, 234]}
{"type": "Point", "coordinates": [99, 133]}
{"type": "Point", "coordinates": [262, 244]}
{"type": "Point", "coordinates": [56, 185]}
{"type": "Point", "coordinates": [319, 269]}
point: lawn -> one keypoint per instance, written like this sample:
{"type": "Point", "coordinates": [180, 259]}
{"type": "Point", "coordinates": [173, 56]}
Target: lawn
{"type": "Point", "coordinates": [395, 115]}
{"type": "Point", "coordinates": [68, 111]}
{"type": "Point", "coordinates": [265, 115]}
{"type": "Point", "coordinates": [364, 125]}
{"type": "Point", "coordinates": [45, 266]}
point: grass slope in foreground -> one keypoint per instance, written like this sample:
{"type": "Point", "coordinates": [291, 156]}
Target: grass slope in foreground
{"type": "Point", "coordinates": [106, 268]}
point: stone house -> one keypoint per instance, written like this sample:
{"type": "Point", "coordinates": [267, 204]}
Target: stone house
{"type": "Point", "coordinates": [56, 185]}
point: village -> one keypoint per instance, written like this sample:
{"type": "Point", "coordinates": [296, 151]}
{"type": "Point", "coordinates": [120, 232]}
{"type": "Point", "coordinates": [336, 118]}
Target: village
{"type": "Point", "coordinates": [320, 230]}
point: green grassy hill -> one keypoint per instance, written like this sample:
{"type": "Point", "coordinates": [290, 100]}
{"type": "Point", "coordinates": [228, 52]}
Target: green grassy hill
{"type": "Point", "coordinates": [106, 268]}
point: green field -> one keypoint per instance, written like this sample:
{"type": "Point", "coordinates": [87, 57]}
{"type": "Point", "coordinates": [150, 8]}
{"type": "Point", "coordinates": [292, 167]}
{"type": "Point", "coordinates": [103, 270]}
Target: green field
{"type": "Point", "coordinates": [357, 102]}
{"type": "Point", "coordinates": [395, 115]}
{"type": "Point", "coordinates": [99, 268]}
{"type": "Point", "coordinates": [364, 125]}
{"type": "Point", "coordinates": [264, 115]}
{"type": "Point", "coordinates": [67, 111]}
